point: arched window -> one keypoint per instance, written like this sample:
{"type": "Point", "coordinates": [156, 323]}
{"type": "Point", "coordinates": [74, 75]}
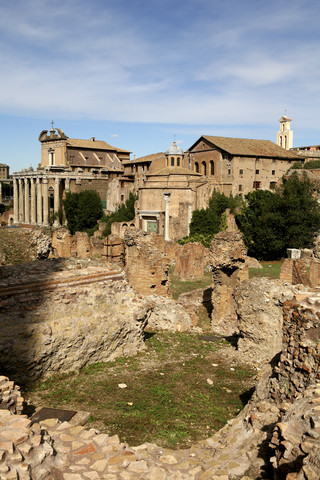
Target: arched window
{"type": "Point", "coordinates": [204, 168]}
{"type": "Point", "coordinates": [172, 161]}
{"type": "Point", "coordinates": [211, 167]}
{"type": "Point", "coordinates": [178, 162]}
{"type": "Point", "coordinates": [196, 166]}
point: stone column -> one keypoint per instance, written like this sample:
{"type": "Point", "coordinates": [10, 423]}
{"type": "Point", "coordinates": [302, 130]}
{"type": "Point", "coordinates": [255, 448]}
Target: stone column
{"type": "Point", "coordinates": [33, 202]}
{"type": "Point", "coordinates": [39, 202]}
{"type": "Point", "coordinates": [15, 201]}
{"type": "Point", "coordinates": [67, 184]}
{"type": "Point", "coordinates": [45, 202]}
{"type": "Point", "coordinates": [26, 201]}
{"type": "Point", "coordinates": [21, 201]}
{"type": "Point", "coordinates": [167, 216]}
{"type": "Point", "coordinates": [56, 200]}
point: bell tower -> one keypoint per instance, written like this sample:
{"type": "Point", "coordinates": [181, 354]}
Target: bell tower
{"type": "Point", "coordinates": [285, 134]}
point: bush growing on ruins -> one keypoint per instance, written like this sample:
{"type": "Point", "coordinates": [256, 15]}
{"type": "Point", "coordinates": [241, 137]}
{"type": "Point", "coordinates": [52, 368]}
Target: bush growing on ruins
{"type": "Point", "coordinates": [273, 222]}
{"type": "Point", "coordinates": [311, 164]}
{"type": "Point", "coordinates": [82, 210]}
{"type": "Point", "coordinates": [207, 222]}
{"type": "Point", "coordinates": [124, 213]}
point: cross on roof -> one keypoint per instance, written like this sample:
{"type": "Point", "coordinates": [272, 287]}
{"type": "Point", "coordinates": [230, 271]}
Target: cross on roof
{"type": "Point", "coordinates": [52, 123]}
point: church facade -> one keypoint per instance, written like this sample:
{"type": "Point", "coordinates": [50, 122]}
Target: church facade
{"type": "Point", "coordinates": [67, 165]}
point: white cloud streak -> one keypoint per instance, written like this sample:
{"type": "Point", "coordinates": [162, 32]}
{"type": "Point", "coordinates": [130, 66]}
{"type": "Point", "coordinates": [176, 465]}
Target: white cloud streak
{"type": "Point", "coordinates": [232, 66]}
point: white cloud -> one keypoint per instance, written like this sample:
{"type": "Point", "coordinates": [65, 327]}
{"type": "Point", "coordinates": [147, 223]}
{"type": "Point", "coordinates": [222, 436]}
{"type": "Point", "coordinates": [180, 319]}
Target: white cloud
{"type": "Point", "coordinates": [234, 65]}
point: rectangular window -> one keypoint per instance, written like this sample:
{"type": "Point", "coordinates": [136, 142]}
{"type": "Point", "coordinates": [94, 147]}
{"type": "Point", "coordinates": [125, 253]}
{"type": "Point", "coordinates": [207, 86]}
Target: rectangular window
{"type": "Point", "coordinates": [273, 185]}
{"type": "Point", "coordinates": [240, 188]}
{"type": "Point", "coordinates": [257, 172]}
{"type": "Point", "coordinates": [229, 171]}
{"type": "Point", "coordinates": [256, 185]}
{"type": "Point", "coordinates": [273, 172]}
{"type": "Point", "coordinates": [240, 171]}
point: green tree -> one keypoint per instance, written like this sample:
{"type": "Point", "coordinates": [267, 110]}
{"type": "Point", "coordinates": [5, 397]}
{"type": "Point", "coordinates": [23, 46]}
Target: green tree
{"type": "Point", "coordinates": [301, 211]}
{"type": "Point", "coordinates": [82, 210]}
{"type": "Point", "coordinates": [124, 213]}
{"type": "Point", "coordinates": [262, 225]}
{"type": "Point", "coordinates": [273, 222]}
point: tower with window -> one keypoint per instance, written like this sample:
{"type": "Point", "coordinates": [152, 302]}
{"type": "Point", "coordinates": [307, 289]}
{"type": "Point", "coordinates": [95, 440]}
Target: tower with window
{"type": "Point", "coordinates": [285, 134]}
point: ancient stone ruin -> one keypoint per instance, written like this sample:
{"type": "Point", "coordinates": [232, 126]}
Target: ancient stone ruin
{"type": "Point", "coordinates": [228, 257]}
{"type": "Point", "coordinates": [274, 436]}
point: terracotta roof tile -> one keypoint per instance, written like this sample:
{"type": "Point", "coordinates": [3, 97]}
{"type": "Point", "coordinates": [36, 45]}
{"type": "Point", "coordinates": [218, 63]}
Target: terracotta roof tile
{"type": "Point", "coordinates": [146, 158]}
{"type": "Point", "coordinates": [96, 144]}
{"type": "Point", "coordinates": [250, 147]}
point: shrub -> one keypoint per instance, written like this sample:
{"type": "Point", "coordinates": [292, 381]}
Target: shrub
{"type": "Point", "coordinates": [124, 213]}
{"type": "Point", "coordinates": [82, 210]}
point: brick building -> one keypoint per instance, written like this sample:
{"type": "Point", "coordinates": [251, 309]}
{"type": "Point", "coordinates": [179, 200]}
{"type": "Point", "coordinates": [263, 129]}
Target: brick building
{"type": "Point", "coordinates": [4, 171]}
{"type": "Point", "coordinates": [173, 184]}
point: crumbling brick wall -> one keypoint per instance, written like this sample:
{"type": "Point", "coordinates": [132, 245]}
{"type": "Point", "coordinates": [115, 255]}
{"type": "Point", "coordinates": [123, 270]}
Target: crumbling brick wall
{"type": "Point", "coordinates": [80, 245]}
{"type": "Point", "coordinates": [147, 267]}
{"type": "Point", "coordinates": [299, 364]}
{"type": "Point", "coordinates": [190, 261]}
{"type": "Point", "coordinates": [295, 271]}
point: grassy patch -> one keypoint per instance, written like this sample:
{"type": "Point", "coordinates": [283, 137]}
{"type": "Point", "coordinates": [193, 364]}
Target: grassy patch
{"type": "Point", "coordinates": [269, 270]}
{"type": "Point", "coordinates": [167, 400]}
{"type": "Point", "coordinates": [177, 286]}
{"type": "Point", "coordinates": [15, 246]}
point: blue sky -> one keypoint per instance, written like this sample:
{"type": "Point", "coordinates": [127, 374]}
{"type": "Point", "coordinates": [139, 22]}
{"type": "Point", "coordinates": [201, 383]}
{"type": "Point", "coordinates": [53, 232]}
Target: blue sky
{"type": "Point", "coordinates": [137, 73]}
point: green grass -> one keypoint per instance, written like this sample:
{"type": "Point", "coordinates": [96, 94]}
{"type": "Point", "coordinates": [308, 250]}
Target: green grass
{"type": "Point", "coordinates": [178, 286]}
{"type": "Point", "coordinates": [167, 400]}
{"type": "Point", "coordinates": [269, 270]}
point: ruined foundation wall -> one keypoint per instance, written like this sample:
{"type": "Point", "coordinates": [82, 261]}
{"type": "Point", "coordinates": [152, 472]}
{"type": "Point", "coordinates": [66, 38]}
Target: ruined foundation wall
{"type": "Point", "coordinates": [62, 321]}
{"type": "Point", "coordinates": [299, 365]}
{"type": "Point", "coordinates": [147, 267]}
{"type": "Point", "coordinates": [228, 256]}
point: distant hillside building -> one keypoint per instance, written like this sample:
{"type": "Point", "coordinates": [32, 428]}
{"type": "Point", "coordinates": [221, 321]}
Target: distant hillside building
{"type": "Point", "coordinates": [67, 164]}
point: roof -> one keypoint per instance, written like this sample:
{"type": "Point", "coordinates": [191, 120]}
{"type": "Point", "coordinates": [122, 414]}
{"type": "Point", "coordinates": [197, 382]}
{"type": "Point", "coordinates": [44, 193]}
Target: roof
{"type": "Point", "coordinates": [249, 147]}
{"type": "Point", "coordinates": [174, 171]}
{"type": "Point", "coordinates": [146, 158]}
{"type": "Point", "coordinates": [174, 150]}
{"type": "Point", "coordinates": [284, 118]}
{"type": "Point", "coordinates": [92, 144]}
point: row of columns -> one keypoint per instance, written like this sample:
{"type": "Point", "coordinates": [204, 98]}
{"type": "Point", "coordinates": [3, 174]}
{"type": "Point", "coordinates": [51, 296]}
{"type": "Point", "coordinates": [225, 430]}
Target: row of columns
{"type": "Point", "coordinates": [31, 200]}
